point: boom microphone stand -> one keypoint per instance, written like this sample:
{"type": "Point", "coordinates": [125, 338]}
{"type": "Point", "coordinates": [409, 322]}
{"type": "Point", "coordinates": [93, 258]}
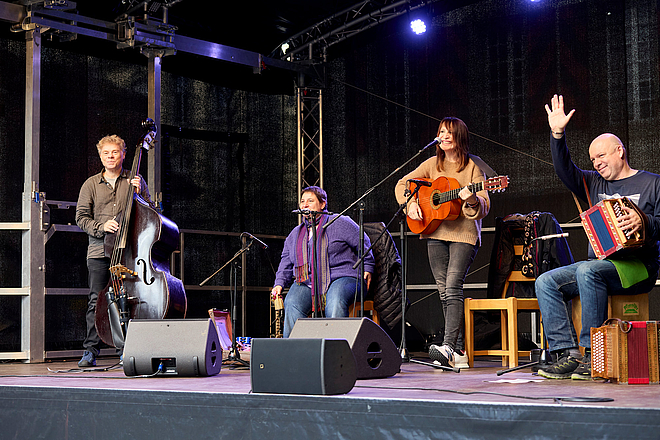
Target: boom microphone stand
{"type": "Point", "coordinates": [403, 349]}
{"type": "Point", "coordinates": [361, 252]}
{"type": "Point", "coordinates": [405, 356]}
{"type": "Point", "coordinates": [234, 356]}
{"type": "Point", "coordinates": [544, 360]}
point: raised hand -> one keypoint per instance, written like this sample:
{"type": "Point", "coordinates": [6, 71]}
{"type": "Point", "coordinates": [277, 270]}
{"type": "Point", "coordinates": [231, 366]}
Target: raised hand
{"type": "Point", "coordinates": [557, 117]}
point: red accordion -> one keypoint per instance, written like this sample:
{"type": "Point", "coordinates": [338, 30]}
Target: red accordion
{"type": "Point", "coordinates": [602, 228]}
{"type": "Point", "coordinates": [625, 352]}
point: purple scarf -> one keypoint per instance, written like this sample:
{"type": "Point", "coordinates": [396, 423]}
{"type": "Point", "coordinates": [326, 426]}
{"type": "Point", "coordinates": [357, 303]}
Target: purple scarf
{"type": "Point", "coordinates": [301, 269]}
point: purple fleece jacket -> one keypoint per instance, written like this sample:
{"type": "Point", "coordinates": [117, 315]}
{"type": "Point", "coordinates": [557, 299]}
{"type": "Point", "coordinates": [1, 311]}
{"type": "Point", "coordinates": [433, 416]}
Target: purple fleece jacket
{"type": "Point", "coordinates": [343, 243]}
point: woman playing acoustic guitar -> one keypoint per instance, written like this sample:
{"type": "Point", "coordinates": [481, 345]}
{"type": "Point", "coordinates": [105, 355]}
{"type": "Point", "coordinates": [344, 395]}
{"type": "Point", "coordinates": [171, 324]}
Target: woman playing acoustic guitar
{"type": "Point", "coordinates": [453, 227]}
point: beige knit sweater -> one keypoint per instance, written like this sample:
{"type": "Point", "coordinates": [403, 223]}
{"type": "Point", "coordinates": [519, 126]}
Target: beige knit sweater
{"type": "Point", "coordinates": [467, 227]}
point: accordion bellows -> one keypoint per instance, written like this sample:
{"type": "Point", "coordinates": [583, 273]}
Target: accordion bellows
{"type": "Point", "coordinates": [602, 228]}
{"type": "Point", "coordinates": [625, 352]}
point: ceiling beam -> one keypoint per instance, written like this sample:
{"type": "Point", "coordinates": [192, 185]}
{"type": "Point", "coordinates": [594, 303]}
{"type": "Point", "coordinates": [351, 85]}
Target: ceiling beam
{"type": "Point", "coordinates": [152, 36]}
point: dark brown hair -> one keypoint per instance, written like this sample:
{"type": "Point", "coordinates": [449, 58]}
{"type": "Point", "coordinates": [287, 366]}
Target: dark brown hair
{"type": "Point", "coordinates": [461, 137]}
{"type": "Point", "coordinates": [320, 194]}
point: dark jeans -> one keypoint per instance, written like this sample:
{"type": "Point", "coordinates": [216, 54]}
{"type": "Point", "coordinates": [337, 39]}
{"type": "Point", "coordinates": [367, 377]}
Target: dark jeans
{"type": "Point", "coordinates": [98, 277]}
{"type": "Point", "coordinates": [450, 262]}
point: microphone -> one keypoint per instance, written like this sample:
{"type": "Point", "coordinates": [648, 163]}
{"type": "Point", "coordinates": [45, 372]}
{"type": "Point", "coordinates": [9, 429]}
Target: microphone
{"type": "Point", "coordinates": [435, 141]}
{"type": "Point", "coordinates": [420, 182]}
{"type": "Point", "coordinates": [263, 245]}
{"type": "Point", "coordinates": [308, 211]}
{"type": "Point", "coordinates": [547, 237]}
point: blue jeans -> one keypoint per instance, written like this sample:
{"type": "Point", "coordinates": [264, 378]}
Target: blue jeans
{"type": "Point", "coordinates": [593, 280]}
{"type": "Point", "coordinates": [450, 262]}
{"type": "Point", "coordinates": [298, 302]}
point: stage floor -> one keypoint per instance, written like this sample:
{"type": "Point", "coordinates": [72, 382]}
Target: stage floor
{"type": "Point", "coordinates": [54, 400]}
{"type": "Point", "coordinates": [415, 381]}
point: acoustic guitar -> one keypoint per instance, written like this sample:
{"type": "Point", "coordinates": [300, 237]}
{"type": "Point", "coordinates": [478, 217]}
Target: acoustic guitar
{"type": "Point", "coordinates": [440, 201]}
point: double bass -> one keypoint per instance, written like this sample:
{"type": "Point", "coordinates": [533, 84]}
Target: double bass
{"type": "Point", "coordinates": [141, 285]}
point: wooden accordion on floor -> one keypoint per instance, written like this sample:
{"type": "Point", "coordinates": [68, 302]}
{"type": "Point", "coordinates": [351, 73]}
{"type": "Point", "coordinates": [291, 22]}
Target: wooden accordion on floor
{"type": "Point", "coordinates": [605, 236]}
{"type": "Point", "coordinates": [625, 352]}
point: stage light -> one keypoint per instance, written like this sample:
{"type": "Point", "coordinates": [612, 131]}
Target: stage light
{"type": "Point", "coordinates": [418, 26]}
{"type": "Point", "coordinates": [285, 47]}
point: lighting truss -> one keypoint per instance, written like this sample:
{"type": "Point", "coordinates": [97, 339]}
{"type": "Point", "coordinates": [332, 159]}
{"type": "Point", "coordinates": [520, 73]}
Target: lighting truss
{"type": "Point", "coordinates": [311, 44]}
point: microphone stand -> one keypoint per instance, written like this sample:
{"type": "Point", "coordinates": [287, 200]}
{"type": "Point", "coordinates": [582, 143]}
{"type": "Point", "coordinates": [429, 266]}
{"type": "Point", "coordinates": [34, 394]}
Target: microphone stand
{"type": "Point", "coordinates": [311, 215]}
{"type": "Point", "coordinates": [360, 260]}
{"type": "Point", "coordinates": [234, 356]}
{"type": "Point", "coordinates": [403, 350]}
{"type": "Point", "coordinates": [544, 360]}
{"type": "Point", "coordinates": [405, 356]}
{"type": "Point", "coordinates": [316, 303]}
{"type": "Point", "coordinates": [361, 254]}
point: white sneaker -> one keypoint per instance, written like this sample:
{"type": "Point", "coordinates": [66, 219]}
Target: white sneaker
{"type": "Point", "coordinates": [444, 354]}
{"type": "Point", "coordinates": [461, 360]}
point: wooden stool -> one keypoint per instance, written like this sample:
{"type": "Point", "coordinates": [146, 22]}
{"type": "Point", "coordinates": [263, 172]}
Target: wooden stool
{"type": "Point", "coordinates": [508, 308]}
{"type": "Point", "coordinates": [368, 307]}
{"type": "Point", "coordinates": [626, 307]}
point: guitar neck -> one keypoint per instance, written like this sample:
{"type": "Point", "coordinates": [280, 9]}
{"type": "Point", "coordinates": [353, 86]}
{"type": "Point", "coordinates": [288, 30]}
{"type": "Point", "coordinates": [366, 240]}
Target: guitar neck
{"type": "Point", "coordinates": [453, 194]}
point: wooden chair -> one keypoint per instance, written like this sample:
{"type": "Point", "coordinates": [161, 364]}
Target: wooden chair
{"type": "Point", "coordinates": [509, 308]}
{"type": "Point", "coordinates": [353, 311]}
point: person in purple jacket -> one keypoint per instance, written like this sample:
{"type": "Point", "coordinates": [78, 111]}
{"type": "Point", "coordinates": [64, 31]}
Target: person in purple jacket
{"type": "Point", "coordinates": [337, 250]}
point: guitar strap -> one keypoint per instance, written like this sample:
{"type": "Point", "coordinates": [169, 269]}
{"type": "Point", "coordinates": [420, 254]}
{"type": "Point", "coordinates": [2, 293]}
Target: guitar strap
{"type": "Point", "coordinates": [483, 166]}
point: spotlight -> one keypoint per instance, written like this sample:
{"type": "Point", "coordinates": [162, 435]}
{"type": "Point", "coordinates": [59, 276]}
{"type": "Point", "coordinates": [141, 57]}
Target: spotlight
{"type": "Point", "coordinates": [418, 26]}
{"type": "Point", "coordinates": [285, 47]}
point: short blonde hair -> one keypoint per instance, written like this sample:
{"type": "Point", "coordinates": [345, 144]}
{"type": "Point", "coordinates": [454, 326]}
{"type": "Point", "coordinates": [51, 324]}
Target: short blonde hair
{"type": "Point", "coordinates": [111, 139]}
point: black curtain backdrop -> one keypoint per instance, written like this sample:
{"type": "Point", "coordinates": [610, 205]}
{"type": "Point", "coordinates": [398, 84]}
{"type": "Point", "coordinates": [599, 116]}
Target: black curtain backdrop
{"type": "Point", "coordinates": [232, 166]}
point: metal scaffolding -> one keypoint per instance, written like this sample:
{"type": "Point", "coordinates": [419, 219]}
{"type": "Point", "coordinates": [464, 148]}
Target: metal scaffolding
{"type": "Point", "coordinates": [310, 137]}
{"type": "Point", "coordinates": [153, 38]}
{"type": "Point", "coordinates": [310, 45]}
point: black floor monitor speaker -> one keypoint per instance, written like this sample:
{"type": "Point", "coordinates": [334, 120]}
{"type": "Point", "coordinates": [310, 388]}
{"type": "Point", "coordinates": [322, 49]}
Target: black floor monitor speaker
{"type": "Point", "coordinates": [375, 353]}
{"type": "Point", "coordinates": [176, 347]}
{"type": "Point", "coordinates": [302, 366]}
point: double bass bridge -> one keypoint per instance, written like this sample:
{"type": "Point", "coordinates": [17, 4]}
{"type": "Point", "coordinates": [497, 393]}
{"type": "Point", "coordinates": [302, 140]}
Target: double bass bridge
{"type": "Point", "coordinates": [123, 272]}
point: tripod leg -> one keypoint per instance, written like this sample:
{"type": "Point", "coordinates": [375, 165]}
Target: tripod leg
{"type": "Point", "coordinates": [234, 356]}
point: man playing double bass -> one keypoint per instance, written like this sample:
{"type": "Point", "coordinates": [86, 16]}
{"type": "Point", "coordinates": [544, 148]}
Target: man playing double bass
{"type": "Point", "coordinates": [100, 201]}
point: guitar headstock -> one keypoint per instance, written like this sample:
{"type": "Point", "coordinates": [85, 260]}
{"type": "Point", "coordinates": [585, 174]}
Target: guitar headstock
{"type": "Point", "coordinates": [498, 183]}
